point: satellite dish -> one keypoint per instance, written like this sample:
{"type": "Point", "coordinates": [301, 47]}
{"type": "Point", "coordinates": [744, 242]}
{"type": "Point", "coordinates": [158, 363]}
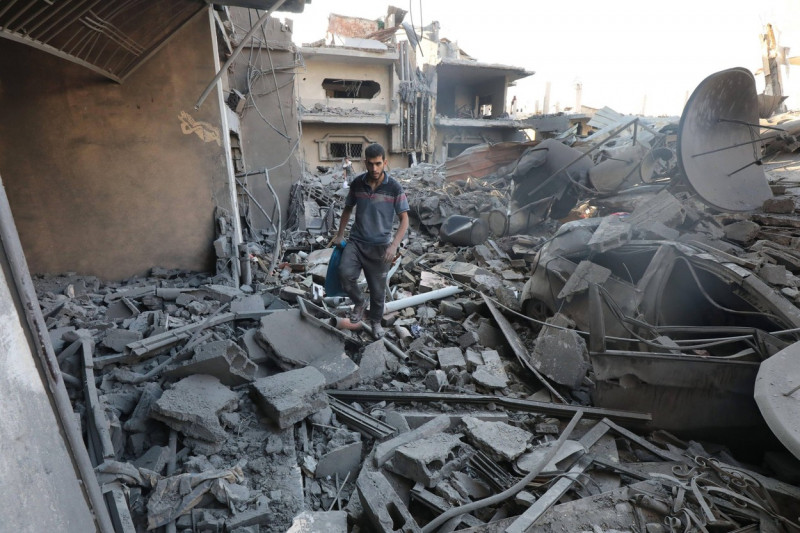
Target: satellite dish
{"type": "Point", "coordinates": [719, 148]}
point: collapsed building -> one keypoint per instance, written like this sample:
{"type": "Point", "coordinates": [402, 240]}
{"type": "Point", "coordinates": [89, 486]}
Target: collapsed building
{"type": "Point", "coordinates": [589, 333]}
{"type": "Point", "coordinates": [418, 94]}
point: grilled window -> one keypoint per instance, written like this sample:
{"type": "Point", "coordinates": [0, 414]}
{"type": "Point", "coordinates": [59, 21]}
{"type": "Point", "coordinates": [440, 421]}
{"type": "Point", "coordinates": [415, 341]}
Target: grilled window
{"type": "Point", "coordinates": [339, 150]}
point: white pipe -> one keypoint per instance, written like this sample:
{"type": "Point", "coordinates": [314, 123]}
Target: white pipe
{"type": "Point", "coordinates": [420, 298]}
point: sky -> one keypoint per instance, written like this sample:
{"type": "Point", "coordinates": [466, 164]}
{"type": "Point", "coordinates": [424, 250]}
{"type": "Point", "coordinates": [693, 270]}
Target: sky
{"type": "Point", "coordinates": [633, 56]}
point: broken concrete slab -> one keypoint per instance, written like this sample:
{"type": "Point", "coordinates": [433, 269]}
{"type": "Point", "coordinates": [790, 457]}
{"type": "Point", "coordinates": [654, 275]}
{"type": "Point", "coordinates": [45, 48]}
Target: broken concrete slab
{"type": "Point", "coordinates": [499, 440]}
{"type": "Point", "coordinates": [117, 338]}
{"type": "Point", "coordinates": [463, 272]}
{"type": "Point", "coordinates": [192, 407]}
{"type": "Point", "coordinates": [429, 460]}
{"type": "Point", "coordinates": [385, 450]}
{"type": "Point", "coordinates": [291, 396]}
{"type": "Point", "coordinates": [451, 357]}
{"type": "Point", "coordinates": [585, 274]}
{"type": "Point", "coordinates": [138, 421]}
{"type": "Point", "coordinates": [491, 374]}
{"type": "Point", "coordinates": [339, 371]}
{"type": "Point", "coordinates": [376, 360]}
{"type": "Point", "coordinates": [222, 359]}
{"type": "Point", "coordinates": [342, 461]}
{"type": "Point", "coordinates": [306, 343]}
{"type": "Point", "coordinates": [612, 233]}
{"type": "Point", "coordinates": [319, 522]}
{"type": "Point", "coordinates": [663, 208]}
{"type": "Point", "coordinates": [561, 355]}
{"type": "Point", "coordinates": [248, 307]}
{"type": "Point", "coordinates": [255, 351]}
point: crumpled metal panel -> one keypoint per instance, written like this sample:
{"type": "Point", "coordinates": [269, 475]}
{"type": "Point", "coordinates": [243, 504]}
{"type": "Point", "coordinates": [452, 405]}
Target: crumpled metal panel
{"type": "Point", "coordinates": [111, 37]}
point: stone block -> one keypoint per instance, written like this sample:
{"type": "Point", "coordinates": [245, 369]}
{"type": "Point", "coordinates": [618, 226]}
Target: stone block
{"type": "Point", "coordinates": [429, 460]}
{"type": "Point", "coordinates": [451, 357]}
{"type": "Point", "coordinates": [291, 396]}
{"type": "Point", "coordinates": [499, 440]}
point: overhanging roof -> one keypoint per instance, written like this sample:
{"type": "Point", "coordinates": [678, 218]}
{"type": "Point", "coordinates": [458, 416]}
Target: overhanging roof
{"type": "Point", "coordinates": [111, 37]}
{"type": "Point", "coordinates": [460, 70]}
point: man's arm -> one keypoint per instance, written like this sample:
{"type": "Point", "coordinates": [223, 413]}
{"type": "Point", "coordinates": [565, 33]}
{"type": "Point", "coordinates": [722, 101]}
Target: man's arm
{"type": "Point", "coordinates": [345, 218]}
{"type": "Point", "coordinates": [391, 250]}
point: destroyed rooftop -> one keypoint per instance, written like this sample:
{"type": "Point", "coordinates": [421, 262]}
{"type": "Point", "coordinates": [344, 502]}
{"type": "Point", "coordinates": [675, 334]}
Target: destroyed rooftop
{"type": "Point", "coordinates": [594, 330]}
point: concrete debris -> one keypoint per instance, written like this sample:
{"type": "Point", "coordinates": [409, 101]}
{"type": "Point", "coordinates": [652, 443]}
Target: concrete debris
{"type": "Point", "coordinates": [603, 287]}
{"type": "Point", "coordinates": [503, 442]}
{"type": "Point", "coordinates": [193, 405]}
{"type": "Point", "coordinates": [291, 396]}
{"type": "Point", "coordinates": [561, 355]}
{"type": "Point", "coordinates": [221, 359]}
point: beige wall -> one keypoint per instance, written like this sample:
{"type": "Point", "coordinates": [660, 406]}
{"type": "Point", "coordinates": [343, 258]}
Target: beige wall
{"type": "Point", "coordinates": [317, 132]}
{"type": "Point", "coordinates": [111, 179]}
{"type": "Point", "coordinates": [311, 91]}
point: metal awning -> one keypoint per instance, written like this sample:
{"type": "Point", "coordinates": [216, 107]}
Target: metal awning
{"type": "Point", "coordinates": [111, 37]}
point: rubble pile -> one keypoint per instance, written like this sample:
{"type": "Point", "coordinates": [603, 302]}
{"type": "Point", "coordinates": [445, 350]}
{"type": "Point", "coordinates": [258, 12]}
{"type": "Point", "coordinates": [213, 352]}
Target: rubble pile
{"type": "Point", "coordinates": [211, 406]}
{"type": "Point", "coordinates": [586, 364]}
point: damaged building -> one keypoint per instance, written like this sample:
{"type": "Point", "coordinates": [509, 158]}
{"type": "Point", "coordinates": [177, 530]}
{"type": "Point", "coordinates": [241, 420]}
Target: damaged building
{"type": "Point", "coordinates": [586, 332]}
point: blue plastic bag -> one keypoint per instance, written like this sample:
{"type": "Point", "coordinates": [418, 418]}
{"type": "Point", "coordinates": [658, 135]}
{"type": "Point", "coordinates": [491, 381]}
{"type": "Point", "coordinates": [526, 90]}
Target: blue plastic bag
{"type": "Point", "coordinates": [333, 286]}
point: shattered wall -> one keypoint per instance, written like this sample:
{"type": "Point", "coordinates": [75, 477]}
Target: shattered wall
{"type": "Point", "coordinates": [268, 123]}
{"type": "Point", "coordinates": [318, 69]}
{"type": "Point", "coordinates": [110, 179]}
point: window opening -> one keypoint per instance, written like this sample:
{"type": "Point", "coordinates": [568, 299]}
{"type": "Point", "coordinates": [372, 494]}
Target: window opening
{"type": "Point", "coordinates": [363, 89]}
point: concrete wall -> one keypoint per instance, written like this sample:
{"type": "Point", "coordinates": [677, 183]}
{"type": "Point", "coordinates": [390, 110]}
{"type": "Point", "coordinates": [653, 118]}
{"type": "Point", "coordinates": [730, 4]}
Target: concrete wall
{"type": "Point", "coordinates": [313, 134]}
{"type": "Point", "coordinates": [42, 489]}
{"type": "Point", "coordinates": [311, 91]}
{"type": "Point", "coordinates": [109, 179]}
{"type": "Point", "coordinates": [269, 129]}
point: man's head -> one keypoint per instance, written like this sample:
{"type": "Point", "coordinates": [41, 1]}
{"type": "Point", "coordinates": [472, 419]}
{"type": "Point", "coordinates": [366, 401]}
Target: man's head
{"type": "Point", "coordinates": [375, 159]}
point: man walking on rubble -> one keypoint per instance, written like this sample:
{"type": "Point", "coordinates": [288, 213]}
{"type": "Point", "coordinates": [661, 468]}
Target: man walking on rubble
{"type": "Point", "coordinates": [377, 197]}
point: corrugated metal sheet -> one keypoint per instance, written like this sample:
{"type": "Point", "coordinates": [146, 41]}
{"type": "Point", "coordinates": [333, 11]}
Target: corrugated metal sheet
{"type": "Point", "coordinates": [111, 37]}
